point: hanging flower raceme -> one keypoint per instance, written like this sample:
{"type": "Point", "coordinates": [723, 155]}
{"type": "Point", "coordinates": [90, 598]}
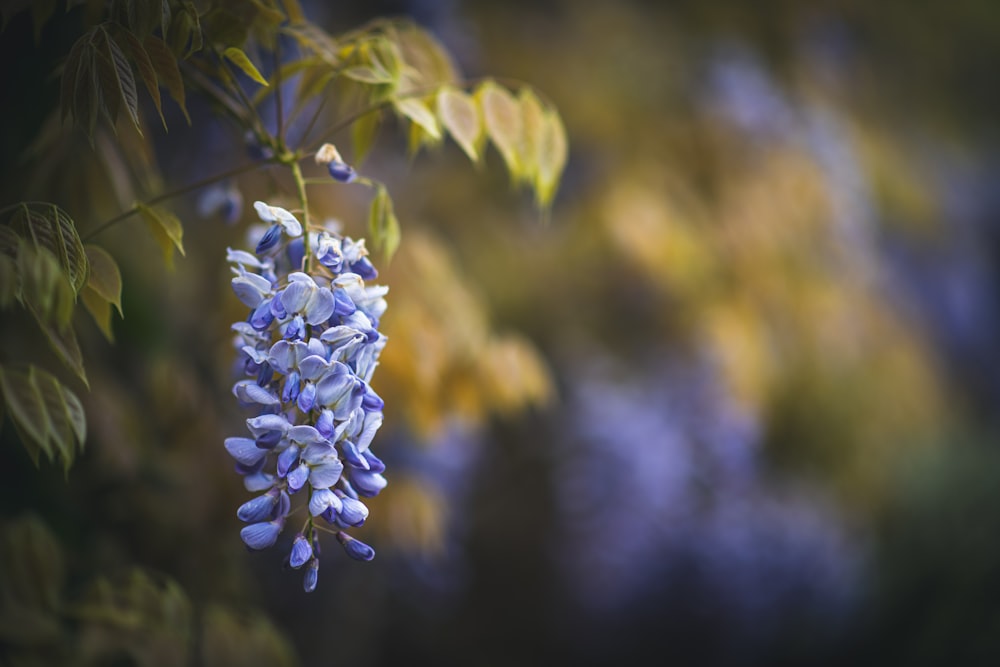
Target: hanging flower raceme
{"type": "Point", "coordinates": [308, 349]}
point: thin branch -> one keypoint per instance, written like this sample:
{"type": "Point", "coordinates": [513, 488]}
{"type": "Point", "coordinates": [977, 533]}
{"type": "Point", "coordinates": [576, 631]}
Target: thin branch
{"type": "Point", "coordinates": [174, 193]}
{"type": "Point", "coordinates": [277, 92]}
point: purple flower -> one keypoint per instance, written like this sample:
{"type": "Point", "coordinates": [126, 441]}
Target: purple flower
{"type": "Point", "coordinates": [341, 172]}
{"type": "Point", "coordinates": [308, 349]}
{"type": "Point", "coordinates": [259, 536]}
{"type": "Point", "coordinates": [355, 548]}
{"type": "Point", "coordinates": [301, 551]}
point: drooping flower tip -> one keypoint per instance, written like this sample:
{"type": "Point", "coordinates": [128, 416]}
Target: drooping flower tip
{"type": "Point", "coordinates": [311, 576]}
{"type": "Point", "coordinates": [301, 551]}
{"type": "Point", "coordinates": [342, 172]}
{"type": "Point", "coordinates": [355, 548]}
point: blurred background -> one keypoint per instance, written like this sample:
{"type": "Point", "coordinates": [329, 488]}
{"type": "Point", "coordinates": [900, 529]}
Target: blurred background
{"type": "Point", "coordinates": [734, 403]}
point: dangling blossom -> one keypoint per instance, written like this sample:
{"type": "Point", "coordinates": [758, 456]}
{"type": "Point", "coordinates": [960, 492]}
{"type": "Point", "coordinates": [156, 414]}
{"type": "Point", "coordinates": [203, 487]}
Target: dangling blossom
{"type": "Point", "coordinates": [307, 351]}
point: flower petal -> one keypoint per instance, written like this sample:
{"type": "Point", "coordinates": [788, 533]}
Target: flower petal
{"type": "Point", "coordinates": [366, 482]}
{"type": "Point", "coordinates": [261, 535]}
{"type": "Point", "coordinates": [355, 548]}
{"type": "Point", "coordinates": [325, 475]}
{"type": "Point", "coordinates": [245, 450]}
{"type": "Point", "coordinates": [301, 552]}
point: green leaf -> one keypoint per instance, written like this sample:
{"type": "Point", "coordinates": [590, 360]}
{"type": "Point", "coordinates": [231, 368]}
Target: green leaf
{"type": "Point", "coordinates": [48, 226]}
{"type": "Point", "coordinates": [147, 72]}
{"type": "Point", "coordinates": [31, 582]}
{"type": "Point", "coordinates": [415, 109]}
{"type": "Point", "coordinates": [532, 126]}
{"type": "Point", "coordinates": [185, 35]}
{"type": "Point", "coordinates": [314, 40]}
{"type": "Point", "coordinates": [427, 59]}
{"type": "Point", "coordinates": [383, 225]}
{"type": "Point", "coordinates": [63, 342]}
{"type": "Point", "coordinates": [166, 229]}
{"type": "Point", "coordinates": [553, 149]}
{"type": "Point", "coordinates": [105, 278]}
{"type": "Point", "coordinates": [26, 408]}
{"type": "Point", "coordinates": [67, 425]}
{"type": "Point", "coordinates": [502, 118]}
{"type": "Point", "coordinates": [363, 133]}
{"type": "Point", "coordinates": [44, 288]}
{"type": "Point", "coordinates": [460, 117]}
{"type": "Point", "coordinates": [100, 309]}
{"type": "Point", "coordinates": [117, 80]}
{"type": "Point", "coordinates": [294, 11]}
{"type": "Point", "coordinates": [240, 59]}
{"type": "Point", "coordinates": [366, 74]}
{"type": "Point", "coordinates": [165, 64]}
{"type": "Point", "coordinates": [80, 91]}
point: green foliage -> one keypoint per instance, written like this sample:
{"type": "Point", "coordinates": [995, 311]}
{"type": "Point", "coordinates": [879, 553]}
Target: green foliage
{"type": "Point", "coordinates": [240, 59]}
{"type": "Point", "coordinates": [166, 229]}
{"type": "Point", "coordinates": [46, 267]}
{"type": "Point", "coordinates": [47, 415]}
{"type": "Point", "coordinates": [31, 580]}
{"type": "Point", "coordinates": [103, 288]}
{"type": "Point", "coordinates": [145, 618]}
{"type": "Point", "coordinates": [382, 224]}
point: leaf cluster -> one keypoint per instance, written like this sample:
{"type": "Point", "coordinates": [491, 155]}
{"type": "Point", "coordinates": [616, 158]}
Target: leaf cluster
{"type": "Point", "coordinates": [46, 269]}
{"type": "Point", "coordinates": [146, 617]}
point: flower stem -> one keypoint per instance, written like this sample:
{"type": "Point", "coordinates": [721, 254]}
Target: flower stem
{"type": "Point", "coordinates": [300, 187]}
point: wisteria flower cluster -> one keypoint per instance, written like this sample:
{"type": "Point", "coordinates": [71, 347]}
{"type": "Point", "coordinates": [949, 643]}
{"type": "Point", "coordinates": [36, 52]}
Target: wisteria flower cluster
{"type": "Point", "coordinates": [308, 349]}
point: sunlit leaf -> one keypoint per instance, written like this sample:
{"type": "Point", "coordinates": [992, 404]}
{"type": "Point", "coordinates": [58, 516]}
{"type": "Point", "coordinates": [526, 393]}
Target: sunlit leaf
{"type": "Point", "coordinates": [366, 74]}
{"type": "Point", "coordinates": [502, 118]}
{"type": "Point", "coordinates": [147, 72]}
{"type": "Point", "coordinates": [532, 126]}
{"type": "Point", "coordinates": [44, 287]}
{"type": "Point", "coordinates": [383, 225]}
{"type": "Point", "coordinates": [460, 117]}
{"type": "Point", "coordinates": [552, 154]}
{"type": "Point", "coordinates": [416, 110]}
{"type": "Point", "coordinates": [425, 56]}
{"type": "Point", "coordinates": [169, 74]}
{"type": "Point", "coordinates": [240, 59]}
{"type": "Point", "coordinates": [105, 278]}
{"type": "Point", "coordinates": [314, 40]}
{"type": "Point", "coordinates": [166, 229]}
{"type": "Point", "coordinates": [294, 11]}
{"type": "Point", "coordinates": [100, 309]}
